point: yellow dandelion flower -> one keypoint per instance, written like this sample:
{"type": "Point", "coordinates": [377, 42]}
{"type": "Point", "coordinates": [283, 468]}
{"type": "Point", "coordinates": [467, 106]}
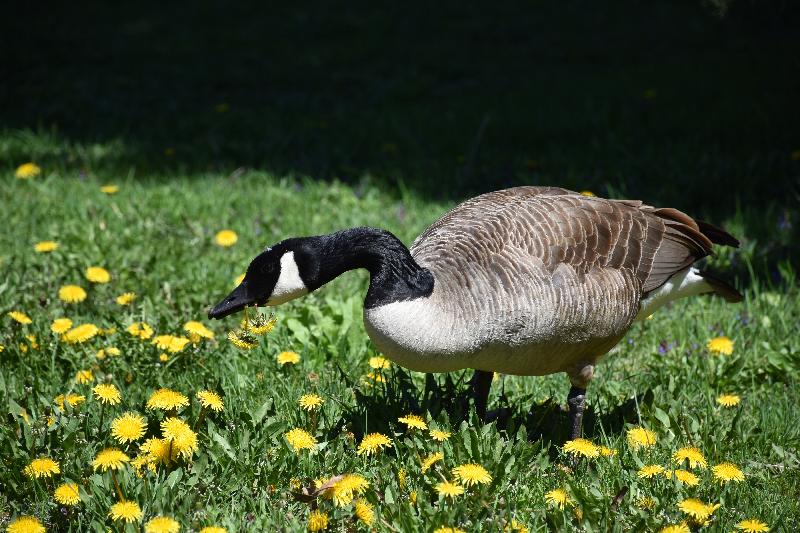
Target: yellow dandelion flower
{"type": "Point", "coordinates": [141, 330]}
{"type": "Point", "coordinates": [448, 489]}
{"type": "Point", "coordinates": [198, 328]}
{"type": "Point", "coordinates": [587, 193]}
{"type": "Point", "coordinates": [720, 345]}
{"type": "Point", "coordinates": [163, 358]}
{"type": "Point", "coordinates": [128, 427]}
{"type": "Point", "coordinates": [582, 447]}
{"type": "Point", "coordinates": [317, 520]}
{"type": "Point", "coordinates": [181, 436]}
{"type": "Point", "coordinates": [72, 399]}
{"type": "Point", "coordinates": [126, 298]}
{"type": "Point", "coordinates": [170, 343]}
{"type": "Point", "coordinates": [242, 340]}
{"type": "Point", "coordinates": [107, 393]}
{"type": "Point", "coordinates": [284, 358]}
{"type": "Point", "coordinates": [650, 471]}
{"type": "Point", "coordinates": [728, 400]}
{"type": "Point", "coordinates": [373, 376]}
{"type": "Point", "coordinates": [343, 491]}
{"type": "Point", "coordinates": [429, 460]}
{"type": "Point", "coordinates": [379, 363]}
{"type": "Point", "coordinates": [125, 511]}
{"type": "Point", "coordinates": [684, 476]}
{"type": "Point", "coordinates": [678, 528]}
{"type": "Point", "coordinates": [605, 451]}
{"type": "Point", "coordinates": [696, 508]}
{"type": "Point", "coordinates": [516, 527]}
{"type": "Point", "coordinates": [373, 443]}
{"type": "Point", "coordinates": [213, 529]}
{"type": "Point", "coordinates": [112, 351]}
{"type": "Point", "coordinates": [226, 238]}
{"type": "Point", "coordinates": [27, 171]}
{"type": "Point", "coordinates": [412, 497]}
{"type": "Point", "coordinates": [364, 511]}
{"type": "Point", "coordinates": [401, 477]}
{"type": "Point", "coordinates": [300, 439]}
{"type": "Point", "coordinates": [84, 376]}
{"type": "Point", "coordinates": [42, 467]}
{"type": "Point", "coordinates": [210, 400]}
{"type": "Point", "coordinates": [20, 317]}
{"type": "Point", "coordinates": [158, 451]}
{"type": "Point", "coordinates": [639, 437]}
{"type": "Point", "coordinates": [26, 524]}
{"type": "Point", "coordinates": [645, 502]}
{"type": "Point", "coordinates": [558, 498]}
{"type": "Point", "coordinates": [439, 435]}
{"type": "Point", "coordinates": [110, 459]}
{"type": "Point", "coordinates": [471, 474]}
{"type": "Point", "coordinates": [413, 421]}
{"type": "Point", "coordinates": [67, 494]}
{"type": "Point", "coordinates": [44, 247]}
{"type": "Point", "coordinates": [448, 529]}
{"type": "Point", "coordinates": [72, 294]}
{"type": "Point", "coordinates": [97, 274]}
{"type": "Point", "coordinates": [690, 454]}
{"type": "Point", "coordinates": [109, 189]}
{"type": "Point", "coordinates": [259, 325]}
{"type": "Point", "coordinates": [309, 402]}
{"type": "Point", "coordinates": [725, 472]}
{"type": "Point", "coordinates": [166, 400]}
{"type": "Point", "coordinates": [80, 334]}
{"type": "Point", "coordinates": [751, 525]}
{"type": "Point", "coordinates": [60, 325]}
{"type": "Point", "coordinates": [162, 524]}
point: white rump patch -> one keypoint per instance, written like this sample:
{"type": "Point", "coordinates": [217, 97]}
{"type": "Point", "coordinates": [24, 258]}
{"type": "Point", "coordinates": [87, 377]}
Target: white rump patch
{"type": "Point", "coordinates": [687, 282]}
{"type": "Point", "coordinates": [290, 285]}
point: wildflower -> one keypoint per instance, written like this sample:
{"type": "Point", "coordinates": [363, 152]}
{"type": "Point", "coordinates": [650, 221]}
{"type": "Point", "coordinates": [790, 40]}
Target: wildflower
{"type": "Point", "coordinates": [470, 474]}
{"type": "Point", "coordinates": [259, 325]}
{"type": "Point", "coordinates": [213, 529]}
{"type": "Point", "coordinates": [84, 376]}
{"type": "Point", "coordinates": [449, 489]}
{"type": "Point", "coordinates": [751, 525]}
{"type": "Point", "coordinates": [309, 402]}
{"type": "Point", "coordinates": [649, 471]}
{"type": "Point", "coordinates": [126, 298]}
{"type": "Point", "coordinates": [376, 377]}
{"type": "Point", "coordinates": [181, 436]}
{"type": "Point", "coordinates": [111, 350]}
{"type": "Point", "coordinates": [20, 317]}
{"type": "Point", "coordinates": [166, 400]}
{"type": "Point", "coordinates": [685, 477]}
{"type": "Point", "coordinates": [605, 451]}
{"type": "Point", "coordinates": [401, 477]}
{"type": "Point", "coordinates": [364, 511]}
{"type": "Point", "coordinates": [516, 527]}
{"type": "Point", "coordinates": [80, 334]}
{"type": "Point", "coordinates": [141, 330]}
{"type": "Point", "coordinates": [226, 238]}
{"type": "Point", "coordinates": [67, 494]}
{"type": "Point", "coordinates": [720, 345]}
{"type": "Point", "coordinates": [587, 193]}
{"type": "Point", "coordinates": [413, 422]}
{"type": "Point", "coordinates": [679, 528]}
{"type": "Point", "coordinates": [97, 274]}
{"type": "Point", "coordinates": [582, 447]}
{"type": "Point", "coordinates": [27, 170]}
{"type": "Point", "coordinates": [448, 529]}
{"type": "Point", "coordinates": [110, 459]}
{"type": "Point", "coordinates": [300, 439]}
{"type": "Point", "coordinates": [288, 358]}
{"type": "Point", "coordinates": [126, 511]}
{"type": "Point", "coordinates": [72, 399]}
{"type": "Point", "coordinates": [343, 491]}
{"type": "Point", "coordinates": [690, 454]}
{"type": "Point", "coordinates": [107, 393]}
{"type": "Point", "coordinates": [373, 443]}
{"type": "Point", "coordinates": [428, 461]}
{"type": "Point", "coordinates": [60, 325]}
{"type": "Point", "coordinates": [242, 340]}
{"type": "Point", "coordinates": [439, 435]}
{"type": "Point", "coordinates": [128, 427]}
{"type": "Point", "coordinates": [379, 363]}
{"type": "Point", "coordinates": [697, 509]}
{"type": "Point", "coordinates": [25, 524]}
{"type": "Point", "coordinates": [109, 189]}
{"type": "Point", "coordinates": [639, 437]}
{"type": "Point", "coordinates": [558, 498]}
{"type": "Point", "coordinates": [197, 328]}
{"type": "Point", "coordinates": [163, 358]}
{"type": "Point", "coordinates": [42, 467]}
{"type": "Point", "coordinates": [645, 502]}
{"type": "Point", "coordinates": [171, 343]}
{"type": "Point", "coordinates": [162, 524]}
{"type": "Point", "coordinates": [44, 247]}
{"type": "Point", "coordinates": [157, 450]}
{"type": "Point", "coordinates": [71, 294]}
{"type": "Point", "coordinates": [727, 472]}
{"type": "Point", "coordinates": [317, 520]}
{"type": "Point", "coordinates": [728, 400]}
{"type": "Point", "coordinates": [210, 400]}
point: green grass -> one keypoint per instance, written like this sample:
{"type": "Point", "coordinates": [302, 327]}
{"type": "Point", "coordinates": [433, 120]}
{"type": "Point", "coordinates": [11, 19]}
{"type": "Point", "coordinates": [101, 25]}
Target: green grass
{"type": "Point", "coordinates": [156, 238]}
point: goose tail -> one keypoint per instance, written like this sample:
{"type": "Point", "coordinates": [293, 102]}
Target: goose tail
{"type": "Point", "coordinates": [722, 288]}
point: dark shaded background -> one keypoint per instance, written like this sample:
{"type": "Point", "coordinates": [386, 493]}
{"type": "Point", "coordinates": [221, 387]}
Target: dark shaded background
{"type": "Point", "coordinates": [666, 101]}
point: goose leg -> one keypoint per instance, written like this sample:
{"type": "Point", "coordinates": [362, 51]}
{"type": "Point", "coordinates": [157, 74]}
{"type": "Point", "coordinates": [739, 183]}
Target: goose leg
{"type": "Point", "coordinates": [576, 400]}
{"type": "Point", "coordinates": [480, 384]}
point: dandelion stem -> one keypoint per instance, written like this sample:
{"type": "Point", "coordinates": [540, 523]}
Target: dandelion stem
{"type": "Point", "coordinates": [102, 413]}
{"type": "Point", "coordinates": [116, 484]}
{"type": "Point", "coordinates": [200, 418]}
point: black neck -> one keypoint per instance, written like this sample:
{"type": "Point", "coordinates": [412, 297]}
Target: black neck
{"type": "Point", "coordinates": [394, 275]}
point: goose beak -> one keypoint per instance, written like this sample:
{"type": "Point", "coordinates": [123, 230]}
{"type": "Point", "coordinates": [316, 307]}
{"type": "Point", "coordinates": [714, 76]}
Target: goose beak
{"type": "Point", "coordinates": [235, 301]}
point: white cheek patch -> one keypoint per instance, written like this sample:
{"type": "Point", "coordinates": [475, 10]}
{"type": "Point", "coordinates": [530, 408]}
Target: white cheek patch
{"type": "Point", "coordinates": [289, 285]}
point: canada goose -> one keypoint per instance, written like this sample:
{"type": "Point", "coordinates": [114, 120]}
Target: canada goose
{"type": "Point", "coordinates": [527, 281]}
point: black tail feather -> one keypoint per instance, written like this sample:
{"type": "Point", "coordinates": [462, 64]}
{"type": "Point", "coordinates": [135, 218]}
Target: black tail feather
{"type": "Point", "coordinates": [722, 288]}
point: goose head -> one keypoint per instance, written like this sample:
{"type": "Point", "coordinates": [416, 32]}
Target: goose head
{"type": "Point", "coordinates": [274, 277]}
